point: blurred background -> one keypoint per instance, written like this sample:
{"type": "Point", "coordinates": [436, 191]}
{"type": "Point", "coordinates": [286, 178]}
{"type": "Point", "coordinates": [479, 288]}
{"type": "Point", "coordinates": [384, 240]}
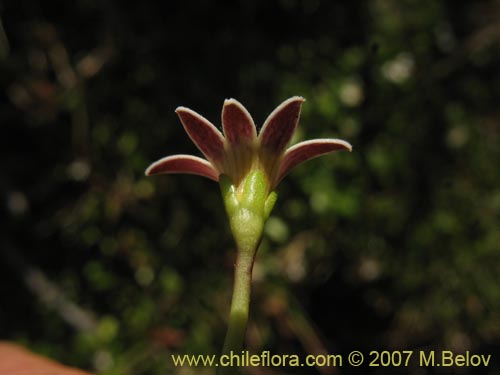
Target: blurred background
{"type": "Point", "coordinates": [394, 246]}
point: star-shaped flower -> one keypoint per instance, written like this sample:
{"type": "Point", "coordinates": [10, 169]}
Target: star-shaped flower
{"type": "Point", "coordinates": [248, 168]}
{"type": "Point", "coordinates": [240, 150]}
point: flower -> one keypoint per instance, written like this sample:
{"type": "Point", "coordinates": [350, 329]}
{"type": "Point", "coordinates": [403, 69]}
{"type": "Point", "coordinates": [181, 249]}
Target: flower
{"type": "Point", "coordinates": [248, 168]}
{"type": "Point", "coordinates": [240, 150]}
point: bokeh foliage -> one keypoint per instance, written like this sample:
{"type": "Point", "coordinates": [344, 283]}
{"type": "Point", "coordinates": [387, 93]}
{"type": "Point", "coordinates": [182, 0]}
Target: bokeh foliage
{"type": "Point", "coordinates": [394, 246]}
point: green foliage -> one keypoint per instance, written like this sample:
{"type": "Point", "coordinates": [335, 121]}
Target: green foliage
{"type": "Point", "coordinates": [392, 246]}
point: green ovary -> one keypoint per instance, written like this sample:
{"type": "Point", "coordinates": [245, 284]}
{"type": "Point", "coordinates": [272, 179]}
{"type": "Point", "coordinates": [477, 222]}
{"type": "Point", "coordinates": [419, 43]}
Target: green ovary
{"type": "Point", "coordinates": [248, 207]}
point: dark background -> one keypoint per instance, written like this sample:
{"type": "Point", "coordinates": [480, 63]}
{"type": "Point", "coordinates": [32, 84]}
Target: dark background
{"type": "Point", "coordinates": [394, 246]}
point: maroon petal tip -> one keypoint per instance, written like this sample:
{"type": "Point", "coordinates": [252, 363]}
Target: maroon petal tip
{"type": "Point", "coordinates": [237, 123]}
{"type": "Point", "coordinates": [183, 164]}
{"type": "Point", "coordinates": [204, 135]}
{"type": "Point", "coordinates": [280, 125]}
{"type": "Point", "coordinates": [308, 150]}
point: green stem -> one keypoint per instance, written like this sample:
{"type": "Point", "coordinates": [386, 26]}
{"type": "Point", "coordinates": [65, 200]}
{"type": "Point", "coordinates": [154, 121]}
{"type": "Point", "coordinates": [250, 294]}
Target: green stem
{"type": "Point", "coordinates": [248, 207]}
{"type": "Point", "coordinates": [238, 317]}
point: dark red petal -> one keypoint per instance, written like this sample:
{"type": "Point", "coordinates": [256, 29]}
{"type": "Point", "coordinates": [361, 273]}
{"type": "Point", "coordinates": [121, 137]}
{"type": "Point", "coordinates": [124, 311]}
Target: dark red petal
{"type": "Point", "coordinates": [183, 164]}
{"type": "Point", "coordinates": [205, 136]}
{"type": "Point", "coordinates": [280, 125]}
{"type": "Point", "coordinates": [308, 150]}
{"type": "Point", "coordinates": [237, 123]}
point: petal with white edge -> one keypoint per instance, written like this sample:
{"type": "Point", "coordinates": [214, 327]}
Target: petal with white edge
{"type": "Point", "coordinates": [204, 134]}
{"type": "Point", "coordinates": [279, 127]}
{"type": "Point", "coordinates": [237, 123]}
{"type": "Point", "coordinates": [308, 150]}
{"type": "Point", "coordinates": [183, 164]}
